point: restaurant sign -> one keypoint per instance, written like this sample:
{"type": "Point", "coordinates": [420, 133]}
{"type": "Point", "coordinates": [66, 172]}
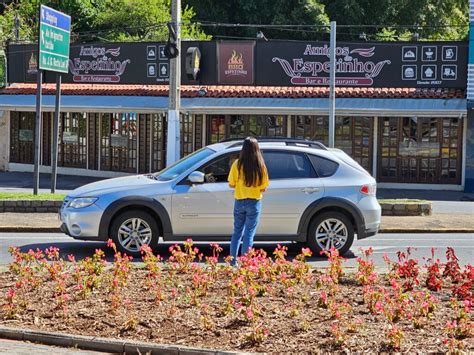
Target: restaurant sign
{"type": "Point", "coordinates": [272, 63]}
{"type": "Point", "coordinates": [111, 63]}
{"type": "Point", "coordinates": [420, 64]}
{"type": "Point", "coordinates": [235, 63]}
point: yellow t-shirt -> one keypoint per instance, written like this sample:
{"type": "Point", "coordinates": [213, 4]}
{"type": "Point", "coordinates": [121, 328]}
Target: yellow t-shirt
{"type": "Point", "coordinates": [241, 190]}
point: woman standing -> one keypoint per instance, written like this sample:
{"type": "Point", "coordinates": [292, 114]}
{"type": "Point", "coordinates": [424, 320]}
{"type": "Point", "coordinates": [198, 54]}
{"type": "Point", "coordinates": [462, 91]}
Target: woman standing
{"type": "Point", "coordinates": [248, 175]}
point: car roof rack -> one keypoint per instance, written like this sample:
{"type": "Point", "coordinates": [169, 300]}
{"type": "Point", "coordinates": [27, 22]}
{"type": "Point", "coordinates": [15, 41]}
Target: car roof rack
{"type": "Point", "coordinates": [288, 141]}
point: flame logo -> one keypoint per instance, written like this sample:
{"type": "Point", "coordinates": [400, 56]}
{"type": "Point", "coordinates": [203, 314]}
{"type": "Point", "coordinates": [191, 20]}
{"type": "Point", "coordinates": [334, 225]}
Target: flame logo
{"type": "Point", "coordinates": [235, 59]}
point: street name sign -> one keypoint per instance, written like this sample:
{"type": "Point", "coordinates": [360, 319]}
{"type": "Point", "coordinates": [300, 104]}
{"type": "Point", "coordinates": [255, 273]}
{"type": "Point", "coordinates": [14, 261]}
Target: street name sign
{"type": "Point", "coordinates": [55, 32]}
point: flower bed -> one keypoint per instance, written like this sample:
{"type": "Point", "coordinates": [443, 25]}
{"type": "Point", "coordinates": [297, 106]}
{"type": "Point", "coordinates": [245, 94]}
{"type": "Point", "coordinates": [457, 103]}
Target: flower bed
{"type": "Point", "coordinates": [268, 304]}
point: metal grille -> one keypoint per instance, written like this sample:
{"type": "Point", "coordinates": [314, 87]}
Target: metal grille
{"type": "Point", "coordinates": [119, 142]}
{"type": "Point", "coordinates": [420, 150]}
{"type": "Point", "coordinates": [22, 137]}
{"type": "Point", "coordinates": [353, 135]}
{"type": "Point", "coordinates": [221, 127]}
{"type": "Point", "coordinates": [73, 140]}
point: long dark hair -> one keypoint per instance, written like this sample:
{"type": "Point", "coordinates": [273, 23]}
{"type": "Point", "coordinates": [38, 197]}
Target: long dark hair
{"type": "Point", "coordinates": [251, 162]}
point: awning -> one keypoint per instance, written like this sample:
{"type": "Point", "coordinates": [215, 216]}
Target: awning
{"type": "Point", "coordinates": [234, 105]}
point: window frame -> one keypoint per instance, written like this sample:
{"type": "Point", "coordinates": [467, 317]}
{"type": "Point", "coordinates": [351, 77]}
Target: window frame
{"type": "Point", "coordinates": [185, 180]}
{"type": "Point", "coordinates": [281, 151]}
{"type": "Point", "coordinates": [324, 158]}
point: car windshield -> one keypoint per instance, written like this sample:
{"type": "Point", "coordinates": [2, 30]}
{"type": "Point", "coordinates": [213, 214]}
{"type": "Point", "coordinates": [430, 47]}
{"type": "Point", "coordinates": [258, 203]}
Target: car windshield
{"type": "Point", "coordinates": [183, 164]}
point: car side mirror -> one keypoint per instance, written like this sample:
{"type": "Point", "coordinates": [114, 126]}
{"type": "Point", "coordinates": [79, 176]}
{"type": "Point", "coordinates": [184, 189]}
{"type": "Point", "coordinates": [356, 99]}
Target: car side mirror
{"type": "Point", "coordinates": [196, 177]}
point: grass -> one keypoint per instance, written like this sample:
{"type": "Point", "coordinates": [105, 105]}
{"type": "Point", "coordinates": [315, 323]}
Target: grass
{"type": "Point", "coordinates": [30, 196]}
{"type": "Point", "coordinates": [402, 200]}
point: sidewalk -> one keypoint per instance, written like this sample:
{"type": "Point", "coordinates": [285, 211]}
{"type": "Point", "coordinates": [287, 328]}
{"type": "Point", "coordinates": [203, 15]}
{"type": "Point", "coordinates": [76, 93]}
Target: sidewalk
{"type": "Point", "coordinates": [437, 223]}
{"type": "Point", "coordinates": [26, 348]}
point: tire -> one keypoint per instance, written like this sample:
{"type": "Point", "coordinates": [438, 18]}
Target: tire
{"type": "Point", "coordinates": [136, 221]}
{"type": "Point", "coordinates": [330, 221]}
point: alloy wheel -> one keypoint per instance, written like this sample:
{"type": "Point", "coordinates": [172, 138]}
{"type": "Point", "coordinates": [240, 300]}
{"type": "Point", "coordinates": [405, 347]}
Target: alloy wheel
{"type": "Point", "coordinates": [330, 233]}
{"type": "Point", "coordinates": [133, 234]}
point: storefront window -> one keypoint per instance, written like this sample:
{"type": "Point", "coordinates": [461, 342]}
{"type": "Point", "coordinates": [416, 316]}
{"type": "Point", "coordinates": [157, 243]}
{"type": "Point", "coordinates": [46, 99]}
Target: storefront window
{"type": "Point", "coordinates": [22, 134]}
{"type": "Point", "coordinates": [419, 150]}
{"type": "Point", "coordinates": [119, 142]}
{"type": "Point", "coordinates": [72, 147]}
{"type": "Point", "coordinates": [352, 134]}
{"type": "Point", "coordinates": [236, 126]}
{"type": "Point", "coordinates": [158, 149]}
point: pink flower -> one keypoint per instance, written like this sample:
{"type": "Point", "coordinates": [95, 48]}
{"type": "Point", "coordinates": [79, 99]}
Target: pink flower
{"type": "Point", "coordinates": [451, 325]}
{"type": "Point", "coordinates": [324, 296]}
{"type": "Point", "coordinates": [306, 252]}
{"type": "Point", "coordinates": [71, 258]}
{"type": "Point", "coordinates": [378, 306]}
{"type": "Point", "coordinates": [11, 293]}
{"type": "Point", "coordinates": [249, 313]}
{"type": "Point", "coordinates": [110, 243]}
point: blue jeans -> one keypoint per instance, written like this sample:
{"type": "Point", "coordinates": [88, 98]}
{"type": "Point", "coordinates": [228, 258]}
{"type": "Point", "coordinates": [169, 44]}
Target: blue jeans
{"type": "Point", "coordinates": [246, 218]}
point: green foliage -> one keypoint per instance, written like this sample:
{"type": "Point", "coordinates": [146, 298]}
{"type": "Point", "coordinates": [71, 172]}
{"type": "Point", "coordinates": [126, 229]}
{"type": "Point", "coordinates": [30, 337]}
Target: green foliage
{"type": "Point", "coordinates": [447, 19]}
{"type": "Point", "coordinates": [99, 20]}
{"type": "Point", "coordinates": [143, 20]}
{"type": "Point", "coordinates": [269, 12]}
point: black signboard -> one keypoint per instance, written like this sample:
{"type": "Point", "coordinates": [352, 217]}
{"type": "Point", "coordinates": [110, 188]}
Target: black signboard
{"type": "Point", "coordinates": [272, 63]}
{"type": "Point", "coordinates": [112, 63]}
{"type": "Point", "coordinates": [420, 64]}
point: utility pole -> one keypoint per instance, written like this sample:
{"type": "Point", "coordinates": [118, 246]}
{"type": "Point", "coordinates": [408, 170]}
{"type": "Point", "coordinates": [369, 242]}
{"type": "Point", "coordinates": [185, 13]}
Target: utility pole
{"type": "Point", "coordinates": [173, 136]}
{"type": "Point", "coordinates": [16, 25]}
{"type": "Point", "coordinates": [332, 84]}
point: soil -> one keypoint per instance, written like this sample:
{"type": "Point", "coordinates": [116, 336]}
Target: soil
{"type": "Point", "coordinates": [294, 324]}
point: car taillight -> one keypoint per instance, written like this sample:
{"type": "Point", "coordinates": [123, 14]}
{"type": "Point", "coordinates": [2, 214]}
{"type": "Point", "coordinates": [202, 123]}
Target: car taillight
{"type": "Point", "coordinates": [370, 189]}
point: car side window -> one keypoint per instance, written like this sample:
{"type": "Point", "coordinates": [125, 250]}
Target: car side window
{"type": "Point", "coordinates": [288, 165]}
{"type": "Point", "coordinates": [324, 167]}
{"type": "Point", "coordinates": [218, 170]}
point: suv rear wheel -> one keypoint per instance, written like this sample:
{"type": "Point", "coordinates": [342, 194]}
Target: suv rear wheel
{"type": "Point", "coordinates": [131, 230]}
{"type": "Point", "coordinates": [331, 229]}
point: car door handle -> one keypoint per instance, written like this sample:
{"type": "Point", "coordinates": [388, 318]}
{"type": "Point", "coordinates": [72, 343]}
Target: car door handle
{"type": "Point", "coordinates": [310, 190]}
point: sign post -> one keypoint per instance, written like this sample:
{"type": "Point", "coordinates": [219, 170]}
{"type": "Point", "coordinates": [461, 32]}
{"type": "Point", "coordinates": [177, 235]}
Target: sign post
{"type": "Point", "coordinates": [332, 84]}
{"type": "Point", "coordinates": [173, 136]}
{"type": "Point", "coordinates": [53, 55]}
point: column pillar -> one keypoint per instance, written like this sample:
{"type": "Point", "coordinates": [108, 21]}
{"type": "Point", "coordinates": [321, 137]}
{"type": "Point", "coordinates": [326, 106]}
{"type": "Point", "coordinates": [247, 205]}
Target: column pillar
{"type": "Point", "coordinates": [469, 158]}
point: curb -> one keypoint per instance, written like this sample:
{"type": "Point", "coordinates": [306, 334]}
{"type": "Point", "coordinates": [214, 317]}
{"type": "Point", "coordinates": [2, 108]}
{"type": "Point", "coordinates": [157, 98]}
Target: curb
{"type": "Point", "coordinates": [101, 344]}
{"type": "Point", "coordinates": [426, 231]}
{"type": "Point", "coordinates": [26, 229]}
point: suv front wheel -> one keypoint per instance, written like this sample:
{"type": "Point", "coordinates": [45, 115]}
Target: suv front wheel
{"type": "Point", "coordinates": [330, 229]}
{"type": "Point", "coordinates": [132, 229]}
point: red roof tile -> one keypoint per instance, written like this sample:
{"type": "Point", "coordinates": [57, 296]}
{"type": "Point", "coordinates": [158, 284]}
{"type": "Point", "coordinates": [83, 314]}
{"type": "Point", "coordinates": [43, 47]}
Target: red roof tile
{"type": "Point", "coordinates": [237, 91]}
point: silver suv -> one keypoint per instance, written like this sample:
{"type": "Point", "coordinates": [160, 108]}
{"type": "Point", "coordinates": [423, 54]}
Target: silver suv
{"type": "Point", "coordinates": [316, 195]}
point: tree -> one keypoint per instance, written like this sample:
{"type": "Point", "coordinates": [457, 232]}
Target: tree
{"type": "Point", "coordinates": [143, 20]}
{"type": "Point", "coordinates": [268, 12]}
{"type": "Point", "coordinates": [448, 18]}
{"type": "Point", "coordinates": [96, 20]}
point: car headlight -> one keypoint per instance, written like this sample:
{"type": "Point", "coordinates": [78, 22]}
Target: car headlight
{"type": "Point", "coordinates": [81, 202]}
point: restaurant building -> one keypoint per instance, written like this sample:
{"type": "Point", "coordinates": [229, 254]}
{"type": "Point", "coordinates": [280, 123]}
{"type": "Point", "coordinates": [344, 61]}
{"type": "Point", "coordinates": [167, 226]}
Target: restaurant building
{"type": "Point", "coordinates": [401, 109]}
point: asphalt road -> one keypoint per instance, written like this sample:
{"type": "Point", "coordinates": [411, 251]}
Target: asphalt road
{"type": "Point", "coordinates": [382, 244]}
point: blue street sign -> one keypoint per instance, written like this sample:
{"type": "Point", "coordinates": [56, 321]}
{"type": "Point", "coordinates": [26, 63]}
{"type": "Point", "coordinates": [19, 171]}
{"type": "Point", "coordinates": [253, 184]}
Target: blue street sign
{"type": "Point", "coordinates": [55, 18]}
